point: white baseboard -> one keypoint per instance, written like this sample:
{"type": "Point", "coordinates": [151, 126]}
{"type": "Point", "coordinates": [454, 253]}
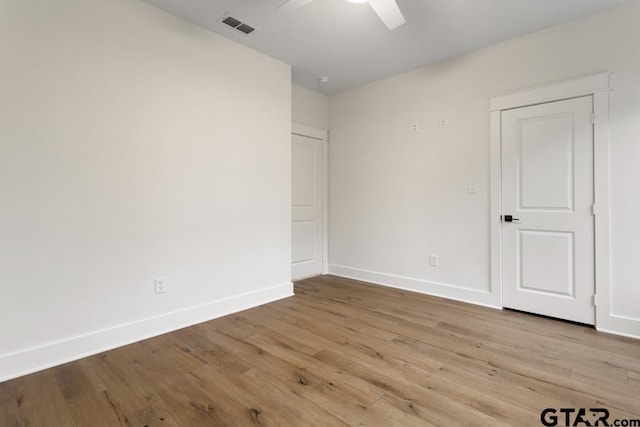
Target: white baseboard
{"type": "Point", "coordinates": [619, 325]}
{"type": "Point", "coordinates": [472, 296]}
{"type": "Point", "coordinates": [26, 361]}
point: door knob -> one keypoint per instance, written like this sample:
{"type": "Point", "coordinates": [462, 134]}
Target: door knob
{"type": "Point", "coordinates": [510, 218]}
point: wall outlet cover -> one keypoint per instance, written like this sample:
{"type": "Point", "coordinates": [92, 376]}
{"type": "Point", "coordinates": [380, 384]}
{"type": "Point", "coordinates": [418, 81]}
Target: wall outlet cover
{"type": "Point", "coordinates": [161, 285]}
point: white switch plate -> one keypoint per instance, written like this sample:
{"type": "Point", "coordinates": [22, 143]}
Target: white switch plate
{"type": "Point", "coordinates": [433, 260]}
{"type": "Point", "coordinates": [161, 285]}
{"type": "Point", "coordinates": [472, 188]}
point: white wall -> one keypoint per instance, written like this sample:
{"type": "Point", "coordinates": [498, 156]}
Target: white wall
{"type": "Point", "coordinates": [133, 145]}
{"type": "Point", "coordinates": [309, 108]}
{"type": "Point", "coordinates": [396, 197]}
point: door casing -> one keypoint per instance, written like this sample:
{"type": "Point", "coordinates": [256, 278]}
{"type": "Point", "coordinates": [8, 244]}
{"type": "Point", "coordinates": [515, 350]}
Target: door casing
{"type": "Point", "coordinates": [596, 85]}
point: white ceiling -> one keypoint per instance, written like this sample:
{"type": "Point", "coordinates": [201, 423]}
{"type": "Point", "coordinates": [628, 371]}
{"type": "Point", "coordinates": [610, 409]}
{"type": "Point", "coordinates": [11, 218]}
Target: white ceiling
{"type": "Point", "coordinates": [349, 44]}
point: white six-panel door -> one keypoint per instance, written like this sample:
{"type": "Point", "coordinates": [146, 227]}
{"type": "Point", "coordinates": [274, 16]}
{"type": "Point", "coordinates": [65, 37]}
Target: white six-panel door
{"type": "Point", "coordinates": [306, 210]}
{"type": "Point", "coordinates": [547, 189]}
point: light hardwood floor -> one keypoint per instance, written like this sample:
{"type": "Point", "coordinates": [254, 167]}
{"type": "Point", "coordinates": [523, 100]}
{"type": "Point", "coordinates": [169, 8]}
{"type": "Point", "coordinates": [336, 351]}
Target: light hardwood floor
{"type": "Point", "coordinates": [341, 352]}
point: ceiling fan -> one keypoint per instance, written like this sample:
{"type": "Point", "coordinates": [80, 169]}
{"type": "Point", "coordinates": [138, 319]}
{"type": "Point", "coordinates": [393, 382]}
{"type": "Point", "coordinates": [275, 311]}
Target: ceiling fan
{"type": "Point", "coordinates": [387, 10]}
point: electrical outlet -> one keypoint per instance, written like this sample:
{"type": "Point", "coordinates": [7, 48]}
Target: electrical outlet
{"type": "Point", "coordinates": [433, 260]}
{"type": "Point", "coordinates": [415, 128]}
{"type": "Point", "coordinates": [442, 123]}
{"type": "Point", "coordinates": [161, 285]}
{"type": "Point", "coordinates": [472, 188]}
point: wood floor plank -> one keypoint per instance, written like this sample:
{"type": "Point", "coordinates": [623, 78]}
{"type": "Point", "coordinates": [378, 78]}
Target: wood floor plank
{"type": "Point", "coordinates": [293, 378]}
{"type": "Point", "coordinates": [600, 389]}
{"type": "Point", "coordinates": [96, 410]}
{"type": "Point", "coordinates": [206, 345]}
{"type": "Point", "coordinates": [128, 393]}
{"type": "Point", "coordinates": [341, 352]}
{"type": "Point", "coordinates": [374, 348]}
{"type": "Point", "coordinates": [74, 382]}
{"type": "Point", "coordinates": [40, 400]}
{"type": "Point", "coordinates": [442, 409]}
{"type": "Point", "coordinates": [489, 394]}
{"type": "Point", "coordinates": [494, 384]}
{"type": "Point", "coordinates": [315, 319]}
{"type": "Point", "coordinates": [9, 413]}
{"type": "Point", "coordinates": [193, 401]}
{"type": "Point", "coordinates": [587, 351]}
{"type": "Point", "coordinates": [403, 412]}
{"type": "Point", "coordinates": [283, 407]}
{"type": "Point", "coordinates": [587, 370]}
{"type": "Point", "coordinates": [358, 390]}
{"type": "Point", "coordinates": [382, 324]}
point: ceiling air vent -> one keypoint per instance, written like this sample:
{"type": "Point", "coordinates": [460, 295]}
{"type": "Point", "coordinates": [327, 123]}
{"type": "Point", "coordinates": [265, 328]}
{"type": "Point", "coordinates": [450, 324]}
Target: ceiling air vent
{"type": "Point", "coordinates": [247, 29]}
{"type": "Point", "coordinates": [237, 24]}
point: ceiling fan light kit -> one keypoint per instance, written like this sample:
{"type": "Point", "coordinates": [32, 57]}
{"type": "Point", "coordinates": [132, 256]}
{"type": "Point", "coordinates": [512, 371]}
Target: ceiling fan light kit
{"type": "Point", "coordinates": [387, 10]}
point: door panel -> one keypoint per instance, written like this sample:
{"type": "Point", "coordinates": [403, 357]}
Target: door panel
{"type": "Point", "coordinates": [547, 260]}
{"type": "Point", "coordinates": [303, 236]}
{"type": "Point", "coordinates": [303, 169]}
{"type": "Point", "coordinates": [306, 207]}
{"type": "Point", "coordinates": [546, 146]}
{"type": "Point", "coordinates": [547, 186]}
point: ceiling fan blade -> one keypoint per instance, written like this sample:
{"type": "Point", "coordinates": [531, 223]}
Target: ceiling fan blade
{"type": "Point", "coordinates": [293, 4]}
{"type": "Point", "coordinates": [389, 12]}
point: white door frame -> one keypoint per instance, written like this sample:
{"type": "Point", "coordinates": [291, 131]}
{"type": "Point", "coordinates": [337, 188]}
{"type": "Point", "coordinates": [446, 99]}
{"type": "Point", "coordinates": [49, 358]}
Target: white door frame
{"type": "Point", "coordinates": [323, 137]}
{"type": "Point", "coordinates": [596, 85]}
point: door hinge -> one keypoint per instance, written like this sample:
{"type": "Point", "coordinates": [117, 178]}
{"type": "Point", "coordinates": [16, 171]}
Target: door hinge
{"type": "Point", "coordinates": [595, 300]}
{"type": "Point", "coordinates": [593, 209]}
{"type": "Point", "coordinates": [593, 118]}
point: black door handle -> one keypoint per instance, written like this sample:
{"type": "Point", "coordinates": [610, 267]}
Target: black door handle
{"type": "Point", "coordinates": [510, 218]}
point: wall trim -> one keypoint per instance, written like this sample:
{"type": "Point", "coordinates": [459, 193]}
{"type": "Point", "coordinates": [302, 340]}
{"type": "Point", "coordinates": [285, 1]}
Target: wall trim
{"type": "Point", "coordinates": [621, 334]}
{"type": "Point", "coordinates": [309, 132]}
{"type": "Point", "coordinates": [26, 361]}
{"type": "Point", "coordinates": [619, 325]}
{"type": "Point", "coordinates": [597, 86]}
{"type": "Point", "coordinates": [442, 290]}
{"type": "Point", "coordinates": [581, 86]}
